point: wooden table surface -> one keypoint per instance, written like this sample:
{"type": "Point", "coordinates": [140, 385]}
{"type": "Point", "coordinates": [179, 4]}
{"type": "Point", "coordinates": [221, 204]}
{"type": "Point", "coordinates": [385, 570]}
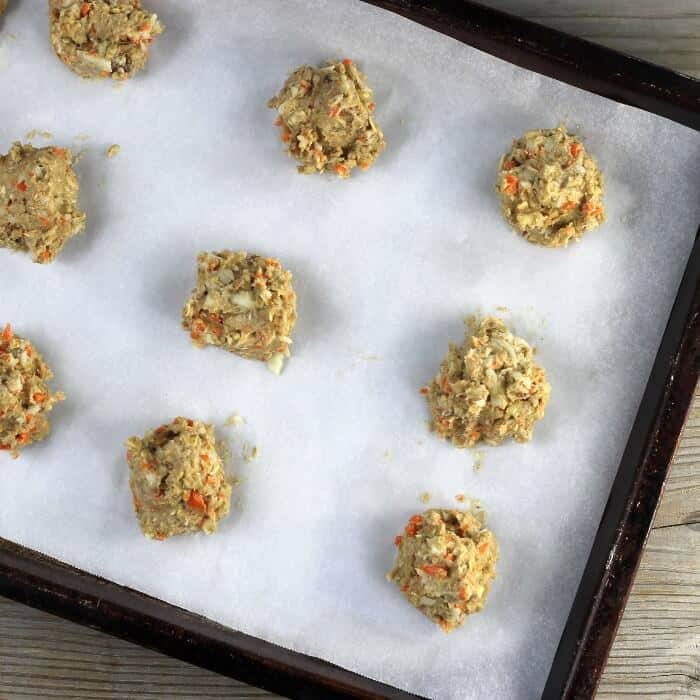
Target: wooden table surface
{"type": "Point", "coordinates": [657, 650]}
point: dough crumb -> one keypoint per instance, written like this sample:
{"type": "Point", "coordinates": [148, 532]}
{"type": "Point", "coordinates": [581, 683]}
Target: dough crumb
{"type": "Point", "coordinates": [250, 453]}
{"type": "Point", "coordinates": [446, 561]}
{"type": "Point", "coordinates": [25, 397]}
{"type": "Point", "coordinates": [551, 189]}
{"type": "Point", "coordinates": [425, 497]}
{"type": "Point", "coordinates": [488, 389]}
{"type": "Point", "coordinates": [478, 461]}
{"type": "Point", "coordinates": [36, 133]}
{"type": "Point", "coordinates": [326, 117]}
{"type": "Point", "coordinates": [113, 150]}
{"type": "Point", "coordinates": [234, 420]}
{"type": "Point", "coordinates": [243, 303]}
{"type": "Point", "coordinates": [102, 38]}
{"type": "Point", "coordinates": [39, 191]}
{"type": "Point", "coordinates": [177, 479]}
{"type": "Point", "coordinates": [460, 498]}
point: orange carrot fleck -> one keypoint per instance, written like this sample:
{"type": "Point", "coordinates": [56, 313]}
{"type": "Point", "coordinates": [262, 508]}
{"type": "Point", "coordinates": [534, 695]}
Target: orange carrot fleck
{"type": "Point", "coordinates": [414, 523]}
{"type": "Point", "coordinates": [148, 466]}
{"type": "Point", "coordinates": [460, 498]}
{"type": "Point", "coordinates": [370, 106]}
{"type": "Point", "coordinates": [435, 571]}
{"type": "Point", "coordinates": [341, 170]}
{"type": "Point", "coordinates": [60, 152]}
{"type": "Point", "coordinates": [333, 112]}
{"type": "Point", "coordinates": [347, 62]}
{"type": "Point", "coordinates": [204, 458]}
{"type": "Point", "coordinates": [44, 256]}
{"type": "Point", "coordinates": [463, 593]}
{"type": "Point", "coordinates": [568, 205]}
{"type": "Point", "coordinates": [85, 9]}
{"type": "Point", "coordinates": [483, 547]}
{"type": "Point", "coordinates": [509, 164]}
{"type": "Point", "coordinates": [398, 540]}
{"type": "Point", "coordinates": [7, 334]}
{"type": "Point", "coordinates": [424, 390]}
{"type": "Point", "coordinates": [286, 136]}
{"type": "Point", "coordinates": [474, 435]}
{"type": "Point", "coordinates": [196, 501]}
{"type": "Point", "coordinates": [21, 186]}
{"type": "Point", "coordinates": [575, 149]}
{"type": "Point", "coordinates": [404, 588]}
{"type": "Point", "coordinates": [445, 626]}
{"type": "Point", "coordinates": [511, 186]}
{"type": "Point", "coordinates": [40, 397]}
{"type": "Point", "coordinates": [23, 438]}
{"type": "Point", "coordinates": [279, 122]}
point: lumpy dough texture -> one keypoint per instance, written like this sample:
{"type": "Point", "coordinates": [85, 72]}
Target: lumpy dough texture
{"type": "Point", "coordinates": [177, 479]}
{"type": "Point", "coordinates": [488, 389]}
{"type": "Point", "coordinates": [550, 188]}
{"type": "Point", "coordinates": [39, 192]}
{"type": "Point", "coordinates": [445, 564]}
{"type": "Point", "coordinates": [25, 398]}
{"type": "Point", "coordinates": [326, 119]}
{"type": "Point", "coordinates": [243, 303]}
{"type": "Point", "coordinates": [102, 38]}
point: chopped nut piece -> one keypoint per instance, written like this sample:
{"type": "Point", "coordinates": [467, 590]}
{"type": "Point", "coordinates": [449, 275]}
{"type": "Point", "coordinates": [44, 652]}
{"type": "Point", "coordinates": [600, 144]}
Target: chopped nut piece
{"type": "Point", "coordinates": [488, 389]}
{"type": "Point", "coordinates": [445, 564]}
{"type": "Point", "coordinates": [177, 479]}
{"type": "Point", "coordinates": [102, 38]}
{"type": "Point", "coordinates": [550, 187]}
{"type": "Point", "coordinates": [326, 119]}
{"type": "Point", "coordinates": [243, 303]}
{"type": "Point", "coordinates": [25, 398]}
{"type": "Point", "coordinates": [39, 192]}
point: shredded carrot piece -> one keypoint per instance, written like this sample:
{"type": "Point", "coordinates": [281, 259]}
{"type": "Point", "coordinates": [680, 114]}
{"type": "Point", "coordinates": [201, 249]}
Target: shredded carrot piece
{"type": "Point", "coordinates": [21, 186]}
{"type": "Point", "coordinates": [435, 571]}
{"type": "Point", "coordinates": [279, 122]}
{"type": "Point", "coordinates": [85, 9]}
{"type": "Point", "coordinates": [483, 547]}
{"type": "Point", "coordinates": [347, 62]}
{"type": "Point", "coordinates": [44, 256]}
{"type": "Point", "coordinates": [414, 523]}
{"type": "Point", "coordinates": [370, 106]}
{"type": "Point", "coordinates": [4, 447]}
{"type": "Point", "coordinates": [286, 136]}
{"type": "Point", "coordinates": [509, 164]}
{"type": "Point", "coordinates": [148, 466]}
{"type": "Point", "coordinates": [590, 209]}
{"type": "Point", "coordinates": [204, 458]}
{"type": "Point", "coordinates": [196, 501]}
{"type": "Point", "coordinates": [445, 625]}
{"type": "Point", "coordinates": [511, 184]}
{"type": "Point", "coordinates": [159, 536]}
{"type": "Point", "coordinates": [29, 350]}
{"type": "Point", "coordinates": [7, 334]}
{"type": "Point", "coordinates": [460, 498]}
{"type": "Point", "coordinates": [575, 149]}
{"type": "Point", "coordinates": [190, 422]}
{"type": "Point", "coordinates": [104, 74]}
{"type": "Point", "coordinates": [398, 540]}
{"type": "Point", "coordinates": [404, 588]}
{"type": "Point", "coordinates": [44, 221]}
{"type": "Point", "coordinates": [40, 397]}
{"type": "Point", "coordinates": [333, 112]}
{"type": "Point", "coordinates": [23, 438]}
{"type": "Point", "coordinates": [363, 165]}
{"type": "Point", "coordinates": [424, 390]}
{"type": "Point", "coordinates": [568, 205]}
{"type": "Point", "coordinates": [341, 170]}
{"type": "Point", "coordinates": [60, 152]}
{"type": "Point", "coordinates": [474, 435]}
{"type": "Point", "coordinates": [463, 593]}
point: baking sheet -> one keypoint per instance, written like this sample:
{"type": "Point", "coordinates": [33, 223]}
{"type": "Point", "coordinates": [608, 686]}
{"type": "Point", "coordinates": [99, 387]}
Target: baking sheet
{"type": "Point", "coordinates": [386, 265]}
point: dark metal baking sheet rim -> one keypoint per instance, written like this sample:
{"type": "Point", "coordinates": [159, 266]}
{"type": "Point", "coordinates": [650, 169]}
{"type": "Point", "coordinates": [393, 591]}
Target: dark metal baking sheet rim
{"type": "Point", "coordinates": [42, 582]}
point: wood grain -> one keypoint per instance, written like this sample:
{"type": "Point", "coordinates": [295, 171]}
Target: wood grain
{"type": "Point", "coordinates": [657, 650]}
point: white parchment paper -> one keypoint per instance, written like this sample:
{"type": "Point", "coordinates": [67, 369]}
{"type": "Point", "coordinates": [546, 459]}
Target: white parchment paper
{"type": "Point", "coordinates": [386, 266]}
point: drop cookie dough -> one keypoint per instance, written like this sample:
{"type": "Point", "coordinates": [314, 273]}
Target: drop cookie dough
{"type": "Point", "coordinates": [551, 189]}
{"type": "Point", "coordinates": [488, 389]}
{"type": "Point", "coordinates": [243, 303]}
{"type": "Point", "coordinates": [39, 192]}
{"type": "Point", "coordinates": [326, 117]}
{"type": "Point", "coordinates": [177, 479]}
{"type": "Point", "coordinates": [445, 563]}
{"type": "Point", "coordinates": [102, 38]}
{"type": "Point", "coordinates": [25, 398]}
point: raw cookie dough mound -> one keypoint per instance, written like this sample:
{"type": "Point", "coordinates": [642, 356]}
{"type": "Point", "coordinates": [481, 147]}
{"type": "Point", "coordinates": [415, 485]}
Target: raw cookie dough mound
{"type": "Point", "coordinates": [488, 389]}
{"type": "Point", "coordinates": [177, 479]}
{"type": "Point", "coordinates": [245, 304]}
{"type": "Point", "coordinates": [445, 564]}
{"type": "Point", "coordinates": [551, 189]}
{"type": "Point", "coordinates": [39, 193]}
{"type": "Point", "coordinates": [25, 399]}
{"type": "Point", "coordinates": [102, 38]}
{"type": "Point", "coordinates": [326, 119]}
